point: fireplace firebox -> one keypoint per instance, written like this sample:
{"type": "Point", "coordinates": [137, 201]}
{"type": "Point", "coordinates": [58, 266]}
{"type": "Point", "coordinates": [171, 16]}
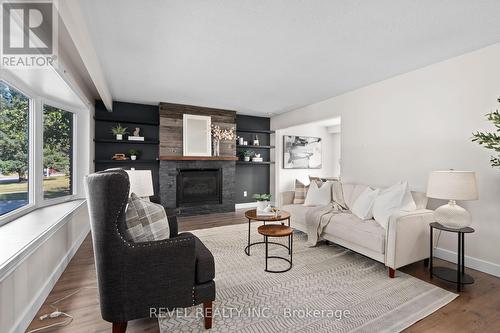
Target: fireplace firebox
{"type": "Point", "coordinates": [197, 187]}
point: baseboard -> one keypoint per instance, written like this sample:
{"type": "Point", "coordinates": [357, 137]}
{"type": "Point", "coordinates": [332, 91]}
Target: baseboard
{"type": "Point", "coordinates": [245, 205]}
{"type": "Point", "coordinates": [248, 205]}
{"type": "Point", "coordinates": [471, 262]}
{"type": "Point", "coordinates": [42, 295]}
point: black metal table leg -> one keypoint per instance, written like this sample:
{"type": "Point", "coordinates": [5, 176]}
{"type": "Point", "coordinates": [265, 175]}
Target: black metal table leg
{"type": "Point", "coordinates": [459, 259]}
{"type": "Point", "coordinates": [248, 247]}
{"type": "Point", "coordinates": [267, 251]}
{"type": "Point", "coordinates": [431, 249]}
{"type": "Point", "coordinates": [463, 254]}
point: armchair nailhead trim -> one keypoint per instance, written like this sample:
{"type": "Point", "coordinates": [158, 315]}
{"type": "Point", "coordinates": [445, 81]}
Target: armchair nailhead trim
{"type": "Point", "coordinates": [193, 297]}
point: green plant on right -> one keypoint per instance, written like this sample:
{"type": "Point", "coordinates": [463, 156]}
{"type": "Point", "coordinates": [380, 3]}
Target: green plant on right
{"type": "Point", "coordinates": [491, 140]}
{"type": "Point", "coordinates": [119, 129]}
{"type": "Point", "coordinates": [262, 197]}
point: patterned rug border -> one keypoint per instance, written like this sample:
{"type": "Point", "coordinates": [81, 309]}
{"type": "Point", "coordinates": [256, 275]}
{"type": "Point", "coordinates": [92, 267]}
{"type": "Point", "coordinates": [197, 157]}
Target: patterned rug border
{"type": "Point", "coordinates": [400, 317]}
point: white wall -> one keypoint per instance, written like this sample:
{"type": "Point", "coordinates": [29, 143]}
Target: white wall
{"type": "Point", "coordinates": [406, 126]}
{"type": "Point", "coordinates": [330, 156]}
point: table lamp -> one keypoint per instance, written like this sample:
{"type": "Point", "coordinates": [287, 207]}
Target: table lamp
{"type": "Point", "coordinates": [141, 183]}
{"type": "Point", "coordinates": [452, 185]}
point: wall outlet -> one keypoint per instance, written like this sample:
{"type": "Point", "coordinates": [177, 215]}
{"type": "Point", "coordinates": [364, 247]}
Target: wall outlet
{"type": "Point", "coordinates": [245, 193]}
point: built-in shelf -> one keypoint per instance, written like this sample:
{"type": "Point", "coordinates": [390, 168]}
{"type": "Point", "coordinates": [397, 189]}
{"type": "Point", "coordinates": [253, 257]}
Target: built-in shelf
{"type": "Point", "coordinates": [250, 163]}
{"type": "Point", "coordinates": [151, 123]}
{"type": "Point", "coordinates": [126, 161]}
{"type": "Point", "coordinates": [145, 142]}
{"type": "Point", "coordinates": [198, 158]}
{"type": "Point", "coordinates": [254, 131]}
{"type": "Point", "coordinates": [254, 147]}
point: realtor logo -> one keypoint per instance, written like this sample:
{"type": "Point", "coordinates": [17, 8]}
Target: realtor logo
{"type": "Point", "coordinates": [28, 33]}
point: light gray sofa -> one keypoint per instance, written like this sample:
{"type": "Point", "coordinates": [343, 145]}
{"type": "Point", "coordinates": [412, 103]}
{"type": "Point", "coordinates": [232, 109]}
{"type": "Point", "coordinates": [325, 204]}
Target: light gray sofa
{"type": "Point", "coordinates": [405, 241]}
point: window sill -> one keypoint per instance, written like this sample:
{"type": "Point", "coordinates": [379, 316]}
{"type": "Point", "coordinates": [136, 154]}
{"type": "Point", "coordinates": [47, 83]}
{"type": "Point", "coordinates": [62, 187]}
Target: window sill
{"type": "Point", "coordinates": [21, 236]}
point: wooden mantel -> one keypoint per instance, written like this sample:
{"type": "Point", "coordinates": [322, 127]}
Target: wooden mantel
{"type": "Point", "coordinates": [198, 158]}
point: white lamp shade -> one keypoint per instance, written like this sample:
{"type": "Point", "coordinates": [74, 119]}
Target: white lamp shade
{"type": "Point", "coordinates": [452, 185]}
{"type": "Point", "coordinates": [141, 182]}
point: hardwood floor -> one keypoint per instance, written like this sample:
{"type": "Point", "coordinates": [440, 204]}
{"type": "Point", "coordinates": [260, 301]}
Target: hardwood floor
{"type": "Point", "coordinates": [476, 310]}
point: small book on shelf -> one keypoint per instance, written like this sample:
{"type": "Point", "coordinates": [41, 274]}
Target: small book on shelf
{"type": "Point", "coordinates": [136, 138]}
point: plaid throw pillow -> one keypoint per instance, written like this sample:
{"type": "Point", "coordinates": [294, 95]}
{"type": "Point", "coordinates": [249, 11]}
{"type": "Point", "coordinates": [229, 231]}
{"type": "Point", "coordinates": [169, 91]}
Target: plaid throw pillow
{"type": "Point", "coordinates": [300, 192]}
{"type": "Point", "coordinates": [146, 221]}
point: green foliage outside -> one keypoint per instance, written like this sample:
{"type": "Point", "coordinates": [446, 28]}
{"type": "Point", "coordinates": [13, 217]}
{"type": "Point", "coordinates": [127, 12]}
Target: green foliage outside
{"type": "Point", "coordinates": [14, 119]}
{"type": "Point", "coordinates": [14, 143]}
{"type": "Point", "coordinates": [491, 140]}
{"type": "Point", "coordinates": [57, 138]}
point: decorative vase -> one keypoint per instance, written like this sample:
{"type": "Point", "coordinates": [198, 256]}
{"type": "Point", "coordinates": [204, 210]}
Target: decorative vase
{"type": "Point", "coordinates": [246, 158]}
{"type": "Point", "coordinates": [216, 148]}
{"type": "Point", "coordinates": [261, 205]}
{"type": "Point", "coordinates": [119, 137]}
{"type": "Point", "coordinates": [133, 157]}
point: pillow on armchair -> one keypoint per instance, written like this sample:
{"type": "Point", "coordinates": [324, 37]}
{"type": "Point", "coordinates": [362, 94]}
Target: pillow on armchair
{"type": "Point", "coordinates": [145, 220]}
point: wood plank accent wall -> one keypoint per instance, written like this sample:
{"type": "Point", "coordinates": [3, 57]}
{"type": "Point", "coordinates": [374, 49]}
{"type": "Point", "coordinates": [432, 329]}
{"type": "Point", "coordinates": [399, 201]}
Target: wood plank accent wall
{"type": "Point", "coordinates": [171, 126]}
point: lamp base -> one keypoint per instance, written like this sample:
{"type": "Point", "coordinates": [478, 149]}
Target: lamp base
{"type": "Point", "coordinates": [452, 215]}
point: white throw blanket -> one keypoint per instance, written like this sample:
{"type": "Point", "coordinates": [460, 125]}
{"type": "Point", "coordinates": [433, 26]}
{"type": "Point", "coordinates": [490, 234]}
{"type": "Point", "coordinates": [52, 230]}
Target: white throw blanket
{"type": "Point", "coordinates": [317, 219]}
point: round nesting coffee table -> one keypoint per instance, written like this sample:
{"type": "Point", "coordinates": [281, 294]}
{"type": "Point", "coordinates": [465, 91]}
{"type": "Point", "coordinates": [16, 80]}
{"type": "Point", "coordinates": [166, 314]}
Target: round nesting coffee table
{"type": "Point", "coordinates": [251, 215]}
{"type": "Point", "coordinates": [276, 230]}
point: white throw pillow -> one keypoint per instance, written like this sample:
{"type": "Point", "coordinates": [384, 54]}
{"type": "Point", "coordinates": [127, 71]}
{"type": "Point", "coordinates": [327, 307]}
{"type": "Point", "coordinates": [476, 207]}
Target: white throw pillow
{"type": "Point", "coordinates": [363, 205]}
{"type": "Point", "coordinates": [318, 196]}
{"type": "Point", "coordinates": [392, 200]}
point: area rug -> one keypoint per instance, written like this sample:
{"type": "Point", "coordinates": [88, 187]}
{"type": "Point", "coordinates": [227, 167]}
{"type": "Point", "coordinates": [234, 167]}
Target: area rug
{"type": "Point", "coordinates": [329, 289]}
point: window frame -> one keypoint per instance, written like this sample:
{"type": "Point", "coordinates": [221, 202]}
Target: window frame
{"type": "Point", "coordinates": [74, 171]}
{"type": "Point", "coordinates": [35, 153]}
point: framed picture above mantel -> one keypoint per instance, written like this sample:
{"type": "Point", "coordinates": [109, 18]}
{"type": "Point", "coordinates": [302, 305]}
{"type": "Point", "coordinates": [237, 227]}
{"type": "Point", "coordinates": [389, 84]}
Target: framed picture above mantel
{"type": "Point", "coordinates": [197, 138]}
{"type": "Point", "coordinates": [301, 152]}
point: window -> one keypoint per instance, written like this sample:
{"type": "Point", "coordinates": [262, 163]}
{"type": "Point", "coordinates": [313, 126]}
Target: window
{"type": "Point", "coordinates": [57, 152]}
{"type": "Point", "coordinates": [14, 149]}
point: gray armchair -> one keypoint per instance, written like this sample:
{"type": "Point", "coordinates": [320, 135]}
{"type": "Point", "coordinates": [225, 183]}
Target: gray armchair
{"type": "Point", "coordinates": [137, 279]}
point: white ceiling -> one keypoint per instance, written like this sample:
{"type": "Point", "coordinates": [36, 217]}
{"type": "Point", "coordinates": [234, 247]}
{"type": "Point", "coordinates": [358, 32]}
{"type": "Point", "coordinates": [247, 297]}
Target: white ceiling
{"type": "Point", "coordinates": [270, 56]}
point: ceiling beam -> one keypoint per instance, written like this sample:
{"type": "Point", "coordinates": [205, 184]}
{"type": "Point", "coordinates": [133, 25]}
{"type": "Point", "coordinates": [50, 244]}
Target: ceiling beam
{"type": "Point", "coordinates": [72, 17]}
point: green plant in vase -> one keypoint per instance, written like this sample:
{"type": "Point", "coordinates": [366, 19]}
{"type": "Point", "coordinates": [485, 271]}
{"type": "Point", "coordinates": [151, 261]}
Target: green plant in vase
{"type": "Point", "coordinates": [246, 154]}
{"type": "Point", "coordinates": [119, 131]}
{"type": "Point", "coordinates": [263, 201]}
{"type": "Point", "coordinates": [134, 154]}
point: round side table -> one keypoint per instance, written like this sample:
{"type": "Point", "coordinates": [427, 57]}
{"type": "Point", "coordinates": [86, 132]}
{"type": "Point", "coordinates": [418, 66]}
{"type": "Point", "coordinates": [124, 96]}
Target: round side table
{"type": "Point", "coordinates": [251, 215]}
{"type": "Point", "coordinates": [458, 275]}
{"type": "Point", "coordinates": [276, 230]}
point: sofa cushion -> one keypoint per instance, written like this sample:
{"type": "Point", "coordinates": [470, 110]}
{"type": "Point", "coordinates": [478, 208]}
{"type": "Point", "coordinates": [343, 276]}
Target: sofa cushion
{"type": "Point", "coordinates": [365, 233]}
{"type": "Point", "coordinates": [352, 192]}
{"type": "Point", "coordinates": [363, 206]}
{"type": "Point", "coordinates": [391, 200]}
{"type": "Point", "coordinates": [300, 192]}
{"type": "Point", "coordinates": [318, 195]}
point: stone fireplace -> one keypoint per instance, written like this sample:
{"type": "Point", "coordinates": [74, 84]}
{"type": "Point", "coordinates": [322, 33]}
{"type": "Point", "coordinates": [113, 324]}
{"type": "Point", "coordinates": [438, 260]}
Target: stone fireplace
{"type": "Point", "coordinates": [194, 187]}
{"type": "Point", "coordinates": [198, 187]}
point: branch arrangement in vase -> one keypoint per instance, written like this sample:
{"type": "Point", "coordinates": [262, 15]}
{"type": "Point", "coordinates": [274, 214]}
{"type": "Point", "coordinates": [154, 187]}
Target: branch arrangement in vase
{"type": "Point", "coordinates": [491, 140]}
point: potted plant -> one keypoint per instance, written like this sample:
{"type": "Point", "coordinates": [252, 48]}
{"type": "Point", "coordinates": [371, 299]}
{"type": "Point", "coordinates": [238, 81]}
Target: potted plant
{"type": "Point", "coordinates": [134, 153]}
{"type": "Point", "coordinates": [246, 154]}
{"type": "Point", "coordinates": [118, 131]}
{"type": "Point", "coordinates": [262, 201]}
